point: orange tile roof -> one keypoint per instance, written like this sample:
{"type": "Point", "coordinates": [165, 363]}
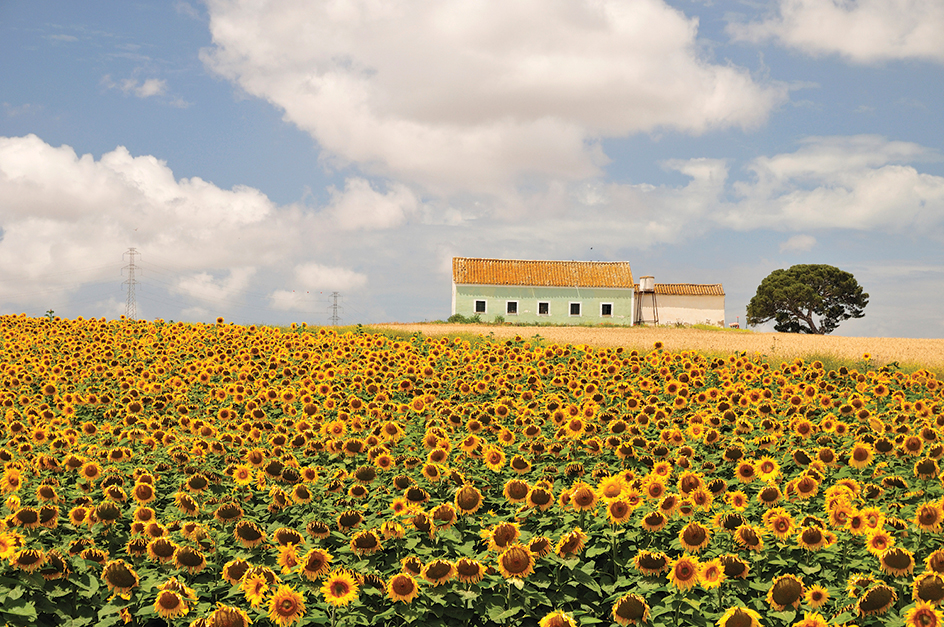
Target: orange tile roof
{"type": "Point", "coordinates": [688, 289]}
{"type": "Point", "coordinates": [475, 271]}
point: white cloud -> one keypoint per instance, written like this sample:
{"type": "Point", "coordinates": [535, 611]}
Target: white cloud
{"type": "Point", "coordinates": [66, 220]}
{"type": "Point", "coordinates": [861, 182]}
{"type": "Point", "coordinates": [798, 244]}
{"type": "Point", "coordinates": [475, 95]}
{"type": "Point", "coordinates": [863, 31]}
{"type": "Point", "coordinates": [149, 87]}
{"type": "Point", "coordinates": [205, 286]}
{"type": "Point", "coordinates": [311, 280]}
{"type": "Point", "coordinates": [360, 207]}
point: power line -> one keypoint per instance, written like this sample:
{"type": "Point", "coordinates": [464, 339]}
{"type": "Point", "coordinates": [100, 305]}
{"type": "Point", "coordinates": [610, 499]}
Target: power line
{"type": "Point", "coordinates": [334, 309]}
{"type": "Point", "coordinates": [131, 307]}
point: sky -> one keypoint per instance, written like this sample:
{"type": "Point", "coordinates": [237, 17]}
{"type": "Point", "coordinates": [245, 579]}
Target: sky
{"type": "Point", "coordinates": [261, 156]}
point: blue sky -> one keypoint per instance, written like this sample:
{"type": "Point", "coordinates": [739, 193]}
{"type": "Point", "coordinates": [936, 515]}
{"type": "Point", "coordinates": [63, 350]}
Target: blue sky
{"type": "Point", "coordinates": [262, 155]}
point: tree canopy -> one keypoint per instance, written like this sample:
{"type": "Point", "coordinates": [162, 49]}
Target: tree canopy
{"type": "Point", "coordinates": [807, 298]}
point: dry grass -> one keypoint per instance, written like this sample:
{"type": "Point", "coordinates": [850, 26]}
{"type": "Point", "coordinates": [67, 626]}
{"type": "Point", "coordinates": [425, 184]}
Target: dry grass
{"type": "Point", "coordinates": [926, 353]}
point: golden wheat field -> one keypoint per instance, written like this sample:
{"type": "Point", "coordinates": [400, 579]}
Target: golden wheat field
{"type": "Point", "coordinates": [784, 346]}
{"type": "Point", "coordinates": [217, 475]}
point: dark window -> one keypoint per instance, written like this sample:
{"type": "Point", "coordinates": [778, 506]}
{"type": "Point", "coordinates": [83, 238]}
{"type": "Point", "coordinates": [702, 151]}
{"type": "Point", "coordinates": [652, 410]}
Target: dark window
{"type": "Point", "coordinates": [575, 309]}
{"type": "Point", "coordinates": [511, 307]}
{"type": "Point", "coordinates": [606, 309]}
{"type": "Point", "coordinates": [544, 309]}
{"type": "Point", "coordinates": [480, 306]}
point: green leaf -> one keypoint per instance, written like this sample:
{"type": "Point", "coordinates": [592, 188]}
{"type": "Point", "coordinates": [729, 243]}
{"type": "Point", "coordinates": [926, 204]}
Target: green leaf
{"type": "Point", "coordinates": [786, 616]}
{"type": "Point", "coordinates": [595, 550]}
{"type": "Point", "coordinates": [23, 609]}
{"type": "Point", "coordinates": [499, 614]}
{"type": "Point", "coordinates": [586, 580]}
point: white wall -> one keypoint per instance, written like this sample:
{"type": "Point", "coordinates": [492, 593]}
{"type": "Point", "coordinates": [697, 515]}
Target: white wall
{"type": "Point", "coordinates": [685, 309]}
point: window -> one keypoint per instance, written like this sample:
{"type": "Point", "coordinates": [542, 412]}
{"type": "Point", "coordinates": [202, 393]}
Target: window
{"type": "Point", "coordinates": [606, 310]}
{"type": "Point", "coordinates": [480, 306]}
{"type": "Point", "coordinates": [575, 309]}
{"type": "Point", "coordinates": [544, 308]}
{"type": "Point", "coordinates": [511, 307]}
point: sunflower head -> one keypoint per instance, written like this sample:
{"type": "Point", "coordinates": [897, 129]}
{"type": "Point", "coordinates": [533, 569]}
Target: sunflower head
{"type": "Point", "coordinates": [402, 587]}
{"type": "Point", "coordinates": [339, 588]}
{"type": "Point", "coordinates": [630, 609]}
{"type": "Point", "coordinates": [876, 600]}
{"type": "Point", "coordinates": [119, 577]}
{"type": "Point", "coordinates": [286, 606]}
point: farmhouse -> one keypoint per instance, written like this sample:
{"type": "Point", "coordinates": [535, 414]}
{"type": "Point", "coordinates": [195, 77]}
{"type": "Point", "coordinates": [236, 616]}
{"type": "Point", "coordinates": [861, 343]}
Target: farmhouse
{"type": "Point", "coordinates": [576, 292]}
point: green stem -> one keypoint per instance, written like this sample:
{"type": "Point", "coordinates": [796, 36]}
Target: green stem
{"type": "Point", "coordinates": [613, 553]}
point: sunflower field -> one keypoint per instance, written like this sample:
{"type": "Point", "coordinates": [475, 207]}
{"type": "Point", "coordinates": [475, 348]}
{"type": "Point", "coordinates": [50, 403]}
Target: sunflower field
{"type": "Point", "coordinates": [187, 474]}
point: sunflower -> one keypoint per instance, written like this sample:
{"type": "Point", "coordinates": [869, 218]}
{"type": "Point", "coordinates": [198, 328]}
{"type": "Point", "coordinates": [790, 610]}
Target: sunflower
{"type": "Point", "coordinates": [811, 538]}
{"type": "Point", "coordinates": [582, 497]}
{"type": "Point", "coordinates": [315, 564]}
{"type": "Point", "coordinates": [255, 589]}
{"type": "Point", "coordinates": [349, 519]}
{"type": "Point", "coordinates": [228, 512]}
{"type": "Point", "coordinates": [630, 609]}
{"type": "Point", "coordinates": [928, 517]}
{"type": "Point", "coordinates": [737, 499]}
{"type": "Point", "coordinates": [28, 560]}
{"type": "Point", "coordinates": [618, 511]}
{"type": "Point", "coordinates": [897, 561]}
{"type": "Point", "coordinates": [287, 606]}
{"type": "Point", "coordinates": [26, 517]}
{"type": "Point", "coordinates": [861, 455]}
{"type": "Point", "coordinates": [923, 615]}
{"type": "Point", "coordinates": [365, 543]}
{"type": "Point", "coordinates": [812, 619]}
{"type": "Point", "coordinates": [779, 522]}
{"type": "Point", "coordinates": [749, 537]}
{"type": "Point", "coordinates": [468, 499]}
{"type": "Point", "coordinates": [786, 590]}
{"type": "Point", "coordinates": [816, 596]}
{"type": "Point", "coordinates": [734, 566]}
{"type": "Point", "coordinates": [683, 572]}
{"type": "Point", "coordinates": [516, 491]}
{"type": "Point", "coordinates": [540, 498]}
{"type": "Point", "coordinates": [557, 618]}
{"type": "Point", "coordinates": [516, 561]}
{"type": "Point", "coordinates": [225, 615]}
{"type": "Point", "coordinates": [161, 550]}
{"type": "Point", "coordinates": [694, 537]}
{"type": "Point", "coordinates": [190, 559]}
{"type": "Point", "coordinates": [501, 536]}
{"type": "Point", "coordinates": [711, 574]}
{"type": "Point", "coordinates": [928, 587]}
{"type": "Point", "coordinates": [120, 577]}
{"type": "Point", "coordinates": [438, 571]}
{"type": "Point", "coordinates": [249, 534]}
{"type": "Point", "coordinates": [339, 588]}
{"type": "Point", "coordinates": [170, 604]}
{"type": "Point", "coordinates": [876, 600]}
{"type": "Point", "coordinates": [494, 458]}
{"type": "Point", "coordinates": [649, 563]}
{"type": "Point", "coordinates": [444, 515]}
{"type": "Point", "coordinates": [571, 543]}
{"type": "Point", "coordinates": [56, 567]}
{"type": "Point", "coordinates": [739, 617]}
{"type": "Point", "coordinates": [317, 530]}
{"type": "Point", "coordinates": [654, 521]}
{"type": "Point", "coordinates": [402, 587]}
{"type": "Point", "coordinates": [469, 570]}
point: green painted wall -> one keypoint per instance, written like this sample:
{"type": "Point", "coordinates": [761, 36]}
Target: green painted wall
{"type": "Point", "coordinates": [559, 299]}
